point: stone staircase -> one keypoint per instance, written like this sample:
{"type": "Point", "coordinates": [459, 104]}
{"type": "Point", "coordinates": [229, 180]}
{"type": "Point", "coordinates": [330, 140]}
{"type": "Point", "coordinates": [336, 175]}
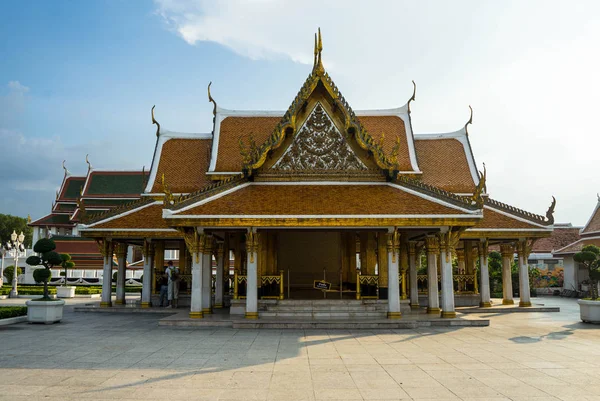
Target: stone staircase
{"type": "Point", "coordinates": [324, 309]}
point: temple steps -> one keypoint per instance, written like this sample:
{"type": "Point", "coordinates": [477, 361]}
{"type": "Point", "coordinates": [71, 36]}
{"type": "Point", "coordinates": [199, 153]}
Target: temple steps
{"type": "Point", "coordinates": [324, 309]}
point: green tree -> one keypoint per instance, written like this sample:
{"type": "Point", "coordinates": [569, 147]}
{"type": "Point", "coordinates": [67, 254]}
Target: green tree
{"type": "Point", "coordinates": [9, 271]}
{"type": "Point", "coordinates": [48, 258]}
{"type": "Point", "coordinates": [66, 264]}
{"type": "Point", "coordinates": [495, 271]}
{"type": "Point", "coordinates": [589, 257]}
{"type": "Point", "coordinates": [9, 223]}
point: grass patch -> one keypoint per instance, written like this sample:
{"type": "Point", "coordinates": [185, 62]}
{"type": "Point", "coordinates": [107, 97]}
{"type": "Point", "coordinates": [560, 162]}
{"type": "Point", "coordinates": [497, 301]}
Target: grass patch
{"type": "Point", "coordinates": [7, 312]}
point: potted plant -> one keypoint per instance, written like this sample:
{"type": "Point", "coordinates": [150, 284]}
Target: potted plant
{"type": "Point", "coordinates": [45, 309]}
{"type": "Point", "coordinates": [66, 291]}
{"type": "Point", "coordinates": [589, 308]}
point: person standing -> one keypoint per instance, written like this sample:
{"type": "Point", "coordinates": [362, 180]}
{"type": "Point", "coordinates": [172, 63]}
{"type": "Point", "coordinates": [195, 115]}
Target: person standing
{"type": "Point", "coordinates": [163, 284]}
{"type": "Point", "coordinates": [173, 275]}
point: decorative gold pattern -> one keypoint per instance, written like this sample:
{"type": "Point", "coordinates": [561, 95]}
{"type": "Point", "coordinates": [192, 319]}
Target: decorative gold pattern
{"type": "Point", "coordinates": [550, 212]}
{"type": "Point", "coordinates": [319, 145]}
{"type": "Point", "coordinates": [393, 244]}
{"type": "Point", "coordinates": [193, 241]}
{"type": "Point", "coordinates": [432, 243]}
{"type": "Point", "coordinates": [477, 198]}
{"type": "Point", "coordinates": [169, 199]}
{"type": "Point", "coordinates": [251, 244]}
{"type": "Point", "coordinates": [507, 250]}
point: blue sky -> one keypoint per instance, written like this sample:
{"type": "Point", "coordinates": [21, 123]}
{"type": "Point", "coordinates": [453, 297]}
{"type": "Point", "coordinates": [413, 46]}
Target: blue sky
{"type": "Point", "coordinates": [79, 77]}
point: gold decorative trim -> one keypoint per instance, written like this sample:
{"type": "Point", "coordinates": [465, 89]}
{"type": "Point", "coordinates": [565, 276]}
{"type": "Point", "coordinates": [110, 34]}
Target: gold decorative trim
{"type": "Point", "coordinates": [415, 306]}
{"type": "Point", "coordinates": [524, 304]}
{"type": "Point", "coordinates": [393, 244]}
{"type": "Point", "coordinates": [394, 315]}
{"type": "Point", "coordinates": [105, 304]}
{"type": "Point", "coordinates": [207, 311]}
{"type": "Point", "coordinates": [196, 315]}
{"type": "Point", "coordinates": [508, 302]}
{"type": "Point", "coordinates": [433, 311]}
{"type": "Point", "coordinates": [145, 304]}
{"type": "Point", "coordinates": [252, 244]}
{"type": "Point", "coordinates": [218, 306]}
{"type": "Point", "coordinates": [251, 315]}
{"type": "Point", "coordinates": [485, 304]}
{"type": "Point", "coordinates": [449, 315]}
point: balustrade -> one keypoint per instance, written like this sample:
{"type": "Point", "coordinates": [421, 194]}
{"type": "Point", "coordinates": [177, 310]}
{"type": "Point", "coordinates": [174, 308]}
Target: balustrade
{"type": "Point", "coordinates": [367, 287]}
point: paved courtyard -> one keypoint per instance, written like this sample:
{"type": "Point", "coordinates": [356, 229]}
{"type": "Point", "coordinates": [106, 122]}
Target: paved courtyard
{"type": "Point", "coordinates": [521, 356]}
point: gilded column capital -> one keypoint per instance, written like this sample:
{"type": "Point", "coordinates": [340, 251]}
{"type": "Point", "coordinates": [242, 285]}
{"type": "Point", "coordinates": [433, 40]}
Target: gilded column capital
{"type": "Point", "coordinates": [460, 254]}
{"type": "Point", "coordinates": [432, 244]}
{"type": "Point", "coordinates": [194, 242]}
{"type": "Point", "coordinates": [412, 248]}
{"type": "Point", "coordinates": [507, 250]}
{"type": "Point", "coordinates": [121, 250]}
{"type": "Point", "coordinates": [393, 244]}
{"type": "Point", "coordinates": [252, 244]}
{"type": "Point", "coordinates": [220, 249]}
{"type": "Point", "coordinates": [482, 248]}
{"type": "Point", "coordinates": [208, 243]}
{"type": "Point", "coordinates": [148, 249]}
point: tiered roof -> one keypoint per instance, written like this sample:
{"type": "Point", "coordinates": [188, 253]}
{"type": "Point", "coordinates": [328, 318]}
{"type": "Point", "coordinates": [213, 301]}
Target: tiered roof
{"type": "Point", "coordinates": [589, 234]}
{"type": "Point", "coordinates": [258, 167]}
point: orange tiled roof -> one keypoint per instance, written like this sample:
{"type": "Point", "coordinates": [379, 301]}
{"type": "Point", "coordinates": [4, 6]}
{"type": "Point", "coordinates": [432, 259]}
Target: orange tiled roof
{"type": "Point", "coordinates": [594, 224]}
{"type": "Point", "coordinates": [561, 237]}
{"type": "Point", "coordinates": [444, 164]}
{"type": "Point", "coordinates": [320, 200]}
{"type": "Point", "coordinates": [232, 129]}
{"type": "Point", "coordinates": [184, 162]}
{"type": "Point", "coordinates": [577, 246]}
{"type": "Point", "coordinates": [391, 127]}
{"type": "Point", "coordinates": [146, 217]}
{"type": "Point", "coordinates": [493, 219]}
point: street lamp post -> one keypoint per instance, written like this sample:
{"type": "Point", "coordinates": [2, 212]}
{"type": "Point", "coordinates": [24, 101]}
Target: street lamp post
{"type": "Point", "coordinates": [15, 244]}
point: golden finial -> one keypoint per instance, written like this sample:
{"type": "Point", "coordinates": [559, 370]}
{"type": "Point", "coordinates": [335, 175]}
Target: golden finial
{"type": "Point", "coordinates": [210, 99]}
{"type": "Point", "coordinates": [67, 173]}
{"type": "Point", "coordinates": [318, 67]}
{"type": "Point", "coordinates": [470, 120]}
{"type": "Point", "coordinates": [28, 218]}
{"type": "Point", "coordinates": [413, 97]}
{"type": "Point", "coordinates": [155, 122]}
{"type": "Point", "coordinates": [87, 160]}
{"type": "Point", "coordinates": [550, 212]}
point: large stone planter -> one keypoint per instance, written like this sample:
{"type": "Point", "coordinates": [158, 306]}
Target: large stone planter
{"type": "Point", "coordinates": [65, 292]}
{"type": "Point", "coordinates": [589, 311]}
{"type": "Point", "coordinates": [47, 312]}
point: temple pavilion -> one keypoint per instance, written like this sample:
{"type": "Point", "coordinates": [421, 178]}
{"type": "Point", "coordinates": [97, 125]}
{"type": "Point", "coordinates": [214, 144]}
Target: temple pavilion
{"type": "Point", "coordinates": [319, 201]}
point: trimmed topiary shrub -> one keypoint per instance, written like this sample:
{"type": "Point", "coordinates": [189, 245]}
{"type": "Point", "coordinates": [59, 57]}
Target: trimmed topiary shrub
{"type": "Point", "coordinates": [48, 258]}
{"type": "Point", "coordinates": [9, 271]}
{"type": "Point", "coordinates": [589, 257]}
{"type": "Point", "coordinates": [6, 312]}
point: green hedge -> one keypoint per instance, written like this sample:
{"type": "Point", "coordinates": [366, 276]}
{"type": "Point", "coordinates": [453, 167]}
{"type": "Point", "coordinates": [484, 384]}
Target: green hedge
{"type": "Point", "coordinates": [79, 290]}
{"type": "Point", "coordinates": [12, 311]}
{"type": "Point", "coordinates": [27, 290]}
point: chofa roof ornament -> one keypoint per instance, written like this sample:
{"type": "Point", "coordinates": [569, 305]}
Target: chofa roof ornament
{"type": "Point", "coordinates": [413, 97]}
{"type": "Point", "coordinates": [87, 160]}
{"type": "Point", "coordinates": [211, 100]}
{"type": "Point", "coordinates": [477, 198]}
{"type": "Point", "coordinates": [550, 212]}
{"type": "Point", "coordinates": [318, 64]}
{"type": "Point", "coordinates": [67, 172]}
{"type": "Point", "coordinates": [155, 122]}
{"type": "Point", "coordinates": [470, 120]}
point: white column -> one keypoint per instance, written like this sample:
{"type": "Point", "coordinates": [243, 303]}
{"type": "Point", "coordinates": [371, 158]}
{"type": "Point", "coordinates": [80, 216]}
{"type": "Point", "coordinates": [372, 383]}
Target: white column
{"type": "Point", "coordinates": [219, 281]}
{"type": "Point", "coordinates": [121, 263]}
{"type": "Point", "coordinates": [433, 248]}
{"type": "Point", "coordinates": [484, 273]}
{"type": "Point", "coordinates": [147, 280]}
{"type": "Point", "coordinates": [525, 300]}
{"type": "Point", "coordinates": [197, 290]}
{"type": "Point", "coordinates": [508, 254]}
{"type": "Point", "coordinates": [393, 248]}
{"type": "Point", "coordinates": [447, 279]}
{"type": "Point", "coordinates": [107, 274]}
{"type": "Point", "coordinates": [412, 265]}
{"type": "Point", "coordinates": [207, 275]}
{"type": "Point", "coordinates": [252, 275]}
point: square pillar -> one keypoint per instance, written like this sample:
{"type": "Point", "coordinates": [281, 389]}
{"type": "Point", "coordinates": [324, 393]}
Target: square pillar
{"type": "Point", "coordinates": [412, 266]}
{"type": "Point", "coordinates": [447, 278]}
{"type": "Point", "coordinates": [433, 249]}
{"type": "Point", "coordinates": [508, 254]}
{"type": "Point", "coordinates": [252, 274]}
{"type": "Point", "coordinates": [196, 299]}
{"type": "Point", "coordinates": [121, 262]}
{"type": "Point", "coordinates": [382, 263]}
{"type": "Point", "coordinates": [207, 275]}
{"type": "Point", "coordinates": [107, 252]}
{"type": "Point", "coordinates": [148, 251]}
{"type": "Point", "coordinates": [403, 266]}
{"type": "Point", "coordinates": [523, 252]}
{"type": "Point", "coordinates": [393, 250]}
{"type": "Point", "coordinates": [484, 273]}
{"type": "Point", "coordinates": [220, 274]}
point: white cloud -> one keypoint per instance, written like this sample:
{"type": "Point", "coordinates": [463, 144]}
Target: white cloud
{"type": "Point", "coordinates": [17, 87]}
{"type": "Point", "coordinates": [526, 67]}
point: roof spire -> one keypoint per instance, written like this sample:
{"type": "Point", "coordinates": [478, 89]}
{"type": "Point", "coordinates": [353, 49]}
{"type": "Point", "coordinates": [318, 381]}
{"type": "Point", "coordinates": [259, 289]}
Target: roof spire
{"type": "Point", "coordinates": [67, 172]}
{"type": "Point", "coordinates": [413, 97]}
{"type": "Point", "coordinates": [155, 122]}
{"type": "Point", "coordinates": [210, 99]}
{"type": "Point", "coordinates": [470, 120]}
{"type": "Point", "coordinates": [87, 160]}
{"type": "Point", "coordinates": [318, 66]}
